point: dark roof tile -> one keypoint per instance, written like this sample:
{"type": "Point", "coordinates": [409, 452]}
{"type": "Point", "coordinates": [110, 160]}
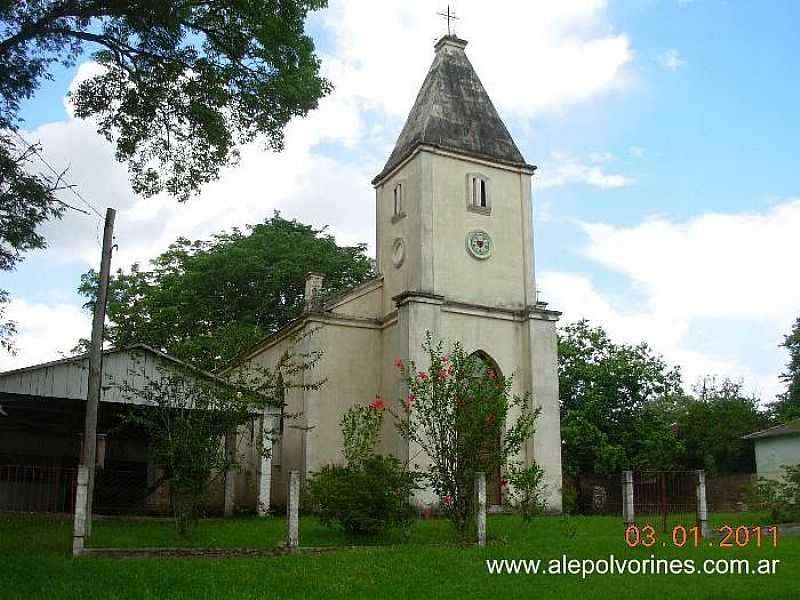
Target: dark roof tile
{"type": "Point", "coordinates": [453, 112]}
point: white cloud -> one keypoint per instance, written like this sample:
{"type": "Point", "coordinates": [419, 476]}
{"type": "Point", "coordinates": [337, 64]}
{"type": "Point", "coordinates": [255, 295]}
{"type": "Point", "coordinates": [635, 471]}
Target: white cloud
{"type": "Point", "coordinates": [636, 151]}
{"type": "Point", "coordinates": [299, 181]}
{"type": "Point", "coordinates": [548, 56]}
{"type": "Point", "coordinates": [671, 60]}
{"type": "Point", "coordinates": [717, 264]}
{"type": "Point", "coordinates": [45, 331]}
{"type": "Point", "coordinates": [563, 170]}
{"type": "Point", "coordinates": [713, 269]}
{"type": "Point", "coordinates": [600, 157]}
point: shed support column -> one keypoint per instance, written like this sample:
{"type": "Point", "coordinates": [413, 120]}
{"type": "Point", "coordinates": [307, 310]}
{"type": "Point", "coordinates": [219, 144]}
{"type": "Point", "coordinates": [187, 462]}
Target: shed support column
{"type": "Point", "coordinates": [702, 508]}
{"type": "Point", "coordinates": [480, 507]}
{"type": "Point", "coordinates": [265, 473]}
{"type": "Point", "coordinates": [292, 508]}
{"type": "Point", "coordinates": [627, 498]}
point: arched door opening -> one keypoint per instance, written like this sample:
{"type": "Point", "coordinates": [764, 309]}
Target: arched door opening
{"type": "Point", "coordinates": [485, 366]}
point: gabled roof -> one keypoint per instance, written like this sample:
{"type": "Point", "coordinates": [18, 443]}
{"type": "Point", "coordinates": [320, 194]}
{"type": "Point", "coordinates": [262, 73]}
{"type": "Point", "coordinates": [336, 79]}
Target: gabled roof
{"type": "Point", "coordinates": [453, 112]}
{"type": "Point", "coordinates": [68, 378]}
{"type": "Point", "coordinates": [790, 428]}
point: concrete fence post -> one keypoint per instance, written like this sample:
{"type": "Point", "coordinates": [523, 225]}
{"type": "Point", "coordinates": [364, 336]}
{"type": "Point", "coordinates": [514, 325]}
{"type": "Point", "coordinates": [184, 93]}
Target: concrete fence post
{"type": "Point", "coordinates": [265, 472]}
{"type": "Point", "coordinates": [79, 526]}
{"type": "Point", "coordinates": [702, 507]}
{"type": "Point", "coordinates": [230, 474]}
{"type": "Point", "coordinates": [293, 509]}
{"type": "Point", "coordinates": [480, 507]}
{"type": "Point", "coordinates": [628, 514]}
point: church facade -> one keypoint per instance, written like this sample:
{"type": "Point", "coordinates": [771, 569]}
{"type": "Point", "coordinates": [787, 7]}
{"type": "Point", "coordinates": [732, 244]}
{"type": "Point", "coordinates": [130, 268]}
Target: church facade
{"type": "Point", "coordinates": [455, 255]}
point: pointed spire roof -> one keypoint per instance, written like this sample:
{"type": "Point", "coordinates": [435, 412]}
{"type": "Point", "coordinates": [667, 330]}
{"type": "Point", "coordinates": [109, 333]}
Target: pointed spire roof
{"type": "Point", "coordinates": [454, 112]}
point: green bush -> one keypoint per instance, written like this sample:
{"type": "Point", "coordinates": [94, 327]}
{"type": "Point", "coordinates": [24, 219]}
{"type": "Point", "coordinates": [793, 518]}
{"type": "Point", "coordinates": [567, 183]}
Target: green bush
{"type": "Point", "coordinates": [782, 496]}
{"type": "Point", "coordinates": [365, 500]}
{"type": "Point", "coordinates": [527, 490]}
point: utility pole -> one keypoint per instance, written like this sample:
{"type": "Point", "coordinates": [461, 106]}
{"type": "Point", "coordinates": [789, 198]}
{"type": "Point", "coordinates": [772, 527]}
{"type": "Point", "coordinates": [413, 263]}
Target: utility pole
{"type": "Point", "coordinates": [83, 511]}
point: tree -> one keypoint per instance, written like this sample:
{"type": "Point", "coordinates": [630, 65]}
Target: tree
{"type": "Point", "coordinates": [181, 86]}
{"type": "Point", "coordinates": [712, 423]}
{"type": "Point", "coordinates": [787, 407]}
{"type": "Point", "coordinates": [189, 414]}
{"type": "Point", "coordinates": [205, 301]}
{"type": "Point", "coordinates": [609, 416]}
{"type": "Point", "coordinates": [25, 201]}
{"type": "Point", "coordinates": [460, 412]}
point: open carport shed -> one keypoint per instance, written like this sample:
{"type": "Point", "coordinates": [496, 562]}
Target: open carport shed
{"type": "Point", "coordinates": [42, 410]}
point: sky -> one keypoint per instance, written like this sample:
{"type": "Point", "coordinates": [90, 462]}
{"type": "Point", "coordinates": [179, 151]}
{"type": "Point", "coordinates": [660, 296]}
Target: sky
{"type": "Point", "coordinates": [666, 202]}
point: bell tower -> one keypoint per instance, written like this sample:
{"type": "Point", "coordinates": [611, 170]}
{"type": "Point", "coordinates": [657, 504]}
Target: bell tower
{"type": "Point", "coordinates": [453, 200]}
{"type": "Point", "coordinates": [455, 249]}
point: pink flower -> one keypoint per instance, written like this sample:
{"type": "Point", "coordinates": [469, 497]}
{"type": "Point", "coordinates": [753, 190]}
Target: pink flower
{"type": "Point", "coordinates": [451, 369]}
{"type": "Point", "coordinates": [398, 363]}
{"type": "Point", "coordinates": [442, 373]}
{"type": "Point", "coordinates": [491, 373]}
{"type": "Point", "coordinates": [447, 501]}
{"type": "Point", "coordinates": [377, 404]}
{"type": "Point", "coordinates": [445, 359]}
{"type": "Point", "coordinates": [422, 375]}
{"type": "Point", "coordinates": [410, 400]}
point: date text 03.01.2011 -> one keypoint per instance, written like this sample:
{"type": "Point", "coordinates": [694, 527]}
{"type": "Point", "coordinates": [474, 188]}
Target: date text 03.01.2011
{"type": "Point", "coordinates": [730, 536]}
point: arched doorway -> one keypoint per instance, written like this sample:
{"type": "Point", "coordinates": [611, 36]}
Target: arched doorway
{"type": "Point", "coordinates": [485, 366]}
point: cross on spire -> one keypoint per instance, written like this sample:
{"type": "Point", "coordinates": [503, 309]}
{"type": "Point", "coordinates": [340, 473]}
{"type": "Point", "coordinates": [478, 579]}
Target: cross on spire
{"type": "Point", "coordinates": [450, 16]}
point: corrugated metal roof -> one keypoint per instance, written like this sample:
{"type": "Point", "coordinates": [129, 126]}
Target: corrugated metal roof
{"type": "Point", "coordinates": [68, 377]}
{"type": "Point", "coordinates": [790, 428]}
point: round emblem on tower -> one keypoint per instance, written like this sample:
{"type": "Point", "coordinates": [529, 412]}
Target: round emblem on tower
{"type": "Point", "coordinates": [398, 252]}
{"type": "Point", "coordinates": [479, 244]}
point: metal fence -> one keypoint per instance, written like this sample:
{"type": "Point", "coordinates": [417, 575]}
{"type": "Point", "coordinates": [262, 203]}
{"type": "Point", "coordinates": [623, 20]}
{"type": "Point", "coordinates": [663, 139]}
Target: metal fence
{"type": "Point", "coordinates": [660, 492]}
{"type": "Point", "coordinates": [28, 488]}
{"type": "Point", "coordinates": [31, 488]}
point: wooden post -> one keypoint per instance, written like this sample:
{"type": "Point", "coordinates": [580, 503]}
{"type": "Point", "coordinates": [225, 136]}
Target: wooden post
{"type": "Point", "coordinates": [627, 498]}
{"type": "Point", "coordinates": [293, 509]}
{"type": "Point", "coordinates": [79, 526]}
{"type": "Point", "coordinates": [88, 456]}
{"type": "Point", "coordinates": [480, 507]}
{"type": "Point", "coordinates": [702, 507]}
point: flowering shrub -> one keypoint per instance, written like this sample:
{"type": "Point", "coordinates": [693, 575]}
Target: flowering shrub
{"type": "Point", "coordinates": [458, 412]}
{"type": "Point", "coordinates": [370, 494]}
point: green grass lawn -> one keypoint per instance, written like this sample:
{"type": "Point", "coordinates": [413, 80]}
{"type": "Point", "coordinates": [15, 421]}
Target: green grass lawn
{"type": "Point", "coordinates": [35, 562]}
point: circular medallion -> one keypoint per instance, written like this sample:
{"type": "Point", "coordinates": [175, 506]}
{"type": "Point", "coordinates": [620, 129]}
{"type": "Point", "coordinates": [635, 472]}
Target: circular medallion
{"type": "Point", "coordinates": [479, 244]}
{"type": "Point", "coordinates": [398, 252]}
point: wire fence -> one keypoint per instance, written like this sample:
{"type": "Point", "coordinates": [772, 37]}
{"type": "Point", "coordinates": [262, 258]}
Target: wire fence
{"type": "Point", "coordinates": [660, 492]}
{"type": "Point", "coordinates": [28, 488]}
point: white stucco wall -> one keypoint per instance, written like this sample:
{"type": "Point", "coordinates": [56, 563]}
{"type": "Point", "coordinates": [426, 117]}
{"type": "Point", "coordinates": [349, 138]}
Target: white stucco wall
{"type": "Point", "coordinates": [772, 452]}
{"type": "Point", "coordinates": [486, 305]}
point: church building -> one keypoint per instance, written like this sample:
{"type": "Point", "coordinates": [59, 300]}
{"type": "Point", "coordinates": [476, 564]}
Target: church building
{"type": "Point", "coordinates": [455, 258]}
